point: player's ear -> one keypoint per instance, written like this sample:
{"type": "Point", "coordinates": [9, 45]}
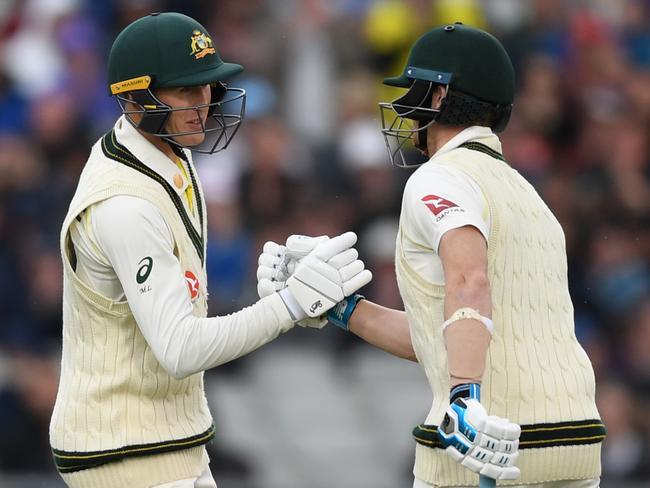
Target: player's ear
{"type": "Point", "coordinates": [438, 94]}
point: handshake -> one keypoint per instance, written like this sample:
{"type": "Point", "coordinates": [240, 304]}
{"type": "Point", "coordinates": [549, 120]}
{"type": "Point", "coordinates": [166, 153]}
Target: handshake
{"type": "Point", "coordinates": [314, 276]}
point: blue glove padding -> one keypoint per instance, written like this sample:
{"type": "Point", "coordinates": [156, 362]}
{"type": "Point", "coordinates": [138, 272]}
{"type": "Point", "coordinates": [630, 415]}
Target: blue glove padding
{"type": "Point", "coordinates": [448, 431]}
{"type": "Point", "coordinates": [340, 314]}
{"type": "Point", "coordinates": [483, 443]}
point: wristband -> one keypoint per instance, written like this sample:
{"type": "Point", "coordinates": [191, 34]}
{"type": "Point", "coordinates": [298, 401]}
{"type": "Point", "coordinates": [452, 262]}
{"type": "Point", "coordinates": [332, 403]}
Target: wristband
{"type": "Point", "coordinates": [340, 314]}
{"type": "Point", "coordinates": [468, 313]}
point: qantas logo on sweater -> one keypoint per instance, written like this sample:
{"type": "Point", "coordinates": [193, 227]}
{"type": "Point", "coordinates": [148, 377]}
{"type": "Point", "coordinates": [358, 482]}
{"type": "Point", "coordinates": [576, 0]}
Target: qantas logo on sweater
{"type": "Point", "coordinates": [437, 204]}
{"type": "Point", "coordinates": [192, 284]}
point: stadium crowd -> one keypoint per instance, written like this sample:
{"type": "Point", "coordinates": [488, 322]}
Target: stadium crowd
{"type": "Point", "coordinates": [310, 159]}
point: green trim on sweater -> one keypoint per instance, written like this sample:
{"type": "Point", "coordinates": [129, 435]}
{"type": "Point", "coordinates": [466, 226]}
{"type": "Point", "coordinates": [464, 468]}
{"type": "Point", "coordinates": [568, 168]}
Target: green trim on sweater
{"type": "Point", "coordinates": [117, 152]}
{"type": "Point", "coordinates": [68, 461]}
{"type": "Point", "coordinates": [590, 431]}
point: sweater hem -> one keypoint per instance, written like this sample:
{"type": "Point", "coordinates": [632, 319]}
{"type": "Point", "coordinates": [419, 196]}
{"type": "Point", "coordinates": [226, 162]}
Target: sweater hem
{"type": "Point", "coordinates": [69, 461]}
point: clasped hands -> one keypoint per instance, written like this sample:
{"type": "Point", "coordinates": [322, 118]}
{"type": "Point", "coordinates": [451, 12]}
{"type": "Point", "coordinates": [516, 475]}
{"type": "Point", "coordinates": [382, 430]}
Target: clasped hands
{"type": "Point", "coordinates": [312, 275]}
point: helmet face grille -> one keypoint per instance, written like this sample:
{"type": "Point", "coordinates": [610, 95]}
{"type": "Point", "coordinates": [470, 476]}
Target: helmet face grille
{"type": "Point", "coordinates": [225, 114]}
{"type": "Point", "coordinates": [223, 122]}
{"type": "Point", "coordinates": [405, 117]}
{"type": "Point", "coordinates": [399, 130]}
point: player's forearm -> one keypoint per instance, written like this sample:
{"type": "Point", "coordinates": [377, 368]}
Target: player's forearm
{"type": "Point", "coordinates": [384, 328]}
{"type": "Point", "coordinates": [467, 340]}
{"type": "Point", "coordinates": [198, 344]}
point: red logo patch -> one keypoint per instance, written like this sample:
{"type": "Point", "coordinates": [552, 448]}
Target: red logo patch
{"type": "Point", "coordinates": [437, 204]}
{"type": "Point", "coordinates": [192, 284]}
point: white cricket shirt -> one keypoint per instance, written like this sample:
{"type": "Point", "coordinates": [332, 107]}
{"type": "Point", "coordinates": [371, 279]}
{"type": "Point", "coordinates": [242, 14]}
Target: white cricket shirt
{"type": "Point", "coordinates": [439, 199]}
{"type": "Point", "coordinates": [112, 237]}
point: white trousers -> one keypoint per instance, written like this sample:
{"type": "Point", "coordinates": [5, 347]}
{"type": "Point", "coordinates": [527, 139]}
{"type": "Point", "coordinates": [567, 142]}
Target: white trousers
{"type": "Point", "coordinates": [591, 483]}
{"type": "Point", "coordinates": [204, 481]}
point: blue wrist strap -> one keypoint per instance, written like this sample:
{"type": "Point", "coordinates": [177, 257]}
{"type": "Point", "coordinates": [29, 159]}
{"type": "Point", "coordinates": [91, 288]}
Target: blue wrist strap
{"type": "Point", "coordinates": [469, 391]}
{"type": "Point", "coordinates": [340, 314]}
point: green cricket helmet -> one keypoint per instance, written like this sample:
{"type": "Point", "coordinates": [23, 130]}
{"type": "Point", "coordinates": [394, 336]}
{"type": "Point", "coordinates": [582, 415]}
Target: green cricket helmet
{"type": "Point", "coordinates": [475, 71]}
{"type": "Point", "coordinates": [165, 50]}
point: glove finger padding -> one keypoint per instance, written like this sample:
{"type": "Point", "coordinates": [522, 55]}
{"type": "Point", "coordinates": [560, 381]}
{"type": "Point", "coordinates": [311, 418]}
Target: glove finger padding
{"type": "Point", "coordinates": [268, 260]}
{"type": "Point", "coordinates": [498, 473]}
{"type": "Point", "coordinates": [455, 454]}
{"type": "Point", "coordinates": [265, 273]}
{"type": "Point", "coordinates": [357, 282]}
{"type": "Point", "coordinates": [321, 278]}
{"type": "Point", "coordinates": [351, 270]}
{"type": "Point", "coordinates": [322, 269]}
{"type": "Point", "coordinates": [271, 273]}
{"type": "Point", "coordinates": [274, 249]}
{"type": "Point", "coordinates": [336, 245]}
{"type": "Point", "coordinates": [501, 428]}
{"type": "Point", "coordinates": [344, 258]}
{"type": "Point", "coordinates": [298, 246]}
{"type": "Point", "coordinates": [508, 446]}
{"type": "Point", "coordinates": [503, 459]}
{"type": "Point", "coordinates": [271, 270]}
{"type": "Point", "coordinates": [266, 287]}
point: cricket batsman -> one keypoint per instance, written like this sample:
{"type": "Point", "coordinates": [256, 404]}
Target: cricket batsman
{"type": "Point", "coordinates": [482, 270]}
{"type": "Point", "coordinates": [131, 410]}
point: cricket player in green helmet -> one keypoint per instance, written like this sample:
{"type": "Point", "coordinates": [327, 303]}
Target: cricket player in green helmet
{"type": "Point", "coordinates": [482, 270]}
{"type": "Point", "coordinates": [131, 409]}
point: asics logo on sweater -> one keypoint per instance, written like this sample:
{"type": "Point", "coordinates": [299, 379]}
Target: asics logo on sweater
{"type": "Point", "coordinates": [146, 265]}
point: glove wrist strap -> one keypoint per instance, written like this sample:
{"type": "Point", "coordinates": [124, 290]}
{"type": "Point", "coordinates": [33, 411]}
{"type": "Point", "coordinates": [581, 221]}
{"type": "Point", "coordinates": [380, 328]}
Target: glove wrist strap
{"type": "Point", "coordinates": [294, 308]}
{"type": "Point", "coordinates": [467, 391]}
{"type": "Point", "coordinates": [340, 314]}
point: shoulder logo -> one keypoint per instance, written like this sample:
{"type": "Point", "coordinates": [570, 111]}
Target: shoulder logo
{"type": "Point", "coordinates": [192, 284]}
{"type": "Point", "coordinates": [201, 45]}
{"type": "Point", "coordinates": [437, 204]}
{"type": "Point", "coordinates": [146, 264]}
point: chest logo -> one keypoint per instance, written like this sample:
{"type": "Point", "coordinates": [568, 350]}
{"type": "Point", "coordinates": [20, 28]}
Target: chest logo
{"type": "Point", "coordinates": [201, 45]}
{"type": "Point", "coordinates": [192, 284]}
{"type": "Point", "coordinates": [437, 204]}
{"type": "Point", "coordinates": [146, 265]}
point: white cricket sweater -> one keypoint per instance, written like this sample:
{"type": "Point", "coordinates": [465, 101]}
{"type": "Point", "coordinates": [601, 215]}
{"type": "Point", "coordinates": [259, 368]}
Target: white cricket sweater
{"type": "Point", "coordinates": [116, 398]}
{"type": "Point", "coordinates": [537, 374]}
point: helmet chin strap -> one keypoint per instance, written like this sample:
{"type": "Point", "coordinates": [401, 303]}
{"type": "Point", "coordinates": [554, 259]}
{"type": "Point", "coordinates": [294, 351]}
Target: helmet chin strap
{"type": "Point", "coordinates": [420, 95]}
{"type": "Point", "coordinates": [418, 143]}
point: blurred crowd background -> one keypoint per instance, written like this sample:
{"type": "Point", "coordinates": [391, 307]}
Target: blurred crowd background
{"type": "Point", "coordinates": [318, 408]}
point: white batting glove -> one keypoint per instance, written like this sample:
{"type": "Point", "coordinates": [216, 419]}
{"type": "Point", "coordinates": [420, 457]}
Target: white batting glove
{"type": "Point", "coordinates": [325, 277]}
{"type": "Point", "coordinates": [272, 273]}
{"type": "Point", "coordinates": [277, 262]}
{"type": "Point", "coordinates": [485, 444]}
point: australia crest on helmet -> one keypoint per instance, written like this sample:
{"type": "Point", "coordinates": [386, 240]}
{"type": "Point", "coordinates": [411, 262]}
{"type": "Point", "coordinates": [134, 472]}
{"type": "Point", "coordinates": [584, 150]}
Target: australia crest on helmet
{"type": "Point", "coordinates": [201, 44]}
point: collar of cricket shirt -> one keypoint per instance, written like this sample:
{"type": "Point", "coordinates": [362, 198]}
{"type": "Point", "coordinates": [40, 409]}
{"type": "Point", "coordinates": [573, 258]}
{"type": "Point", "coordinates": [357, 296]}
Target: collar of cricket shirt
{"type": "Point", "coordinates": [475, 133]}
{"type": "Point", "coordinates": [150, 155]}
